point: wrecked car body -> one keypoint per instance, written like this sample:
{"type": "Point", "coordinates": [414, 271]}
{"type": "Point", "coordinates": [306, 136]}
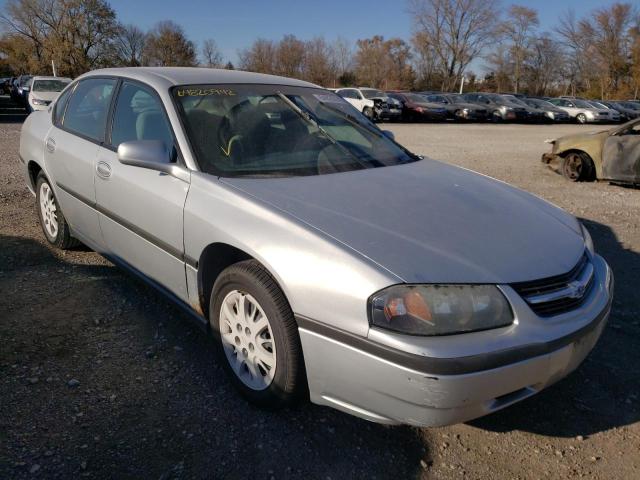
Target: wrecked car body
{"type": "Point", "coordinates": [612, 155]}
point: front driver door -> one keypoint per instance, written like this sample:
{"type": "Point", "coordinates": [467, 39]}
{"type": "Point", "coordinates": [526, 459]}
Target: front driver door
{"type": "Point", "coordinates": [70, 153]}
{"type": "Point", "coordinates": [621, 155]}
{"type": "Point", "coordinates": [141, 210]}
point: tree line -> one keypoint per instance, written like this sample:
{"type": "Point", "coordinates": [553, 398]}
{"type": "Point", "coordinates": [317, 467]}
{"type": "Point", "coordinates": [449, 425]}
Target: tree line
{"type": "Point", "coordinates": [596, 54]}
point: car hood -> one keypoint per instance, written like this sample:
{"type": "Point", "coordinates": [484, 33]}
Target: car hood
{"type": "Point", "coordinates": [583, 137]}
{"type": "Point", "coordinates": [429, 222]}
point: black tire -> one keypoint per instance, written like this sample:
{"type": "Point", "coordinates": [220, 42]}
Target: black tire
{"type": "Point", "coordinates": [289, 382]}
{"type": "Point", "coordinates": [496, 117]}
{"type": "Point", "coordinates": [369, 113]}
{"type": "Point", "coordinates": [581, 118]}
{"type": "Point", "coordinates": [63, 238]}
{"type": "Point", "coordinates": [577, 167]}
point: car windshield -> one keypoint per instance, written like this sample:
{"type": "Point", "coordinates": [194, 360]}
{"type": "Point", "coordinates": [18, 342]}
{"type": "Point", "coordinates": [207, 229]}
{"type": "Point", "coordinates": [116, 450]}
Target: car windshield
{"type": "Point", "coordinates": [280, 131]}
{"type": "Point", "coordinates": [543, 104]}
{"type": "Point", "coordinates": [454, 99]}
{"type": "Point", "coordinates": [632, 106]}
{"type": "Point", "coordinates": [581, 104]}
{"type": "Point", "coordinates": [371, 93]}
{"type": "Point", "coordinates": [415, 98]}
{"type": "Point", "coordinates": [515, 100]}
{"type": "Point", "coordinates": [49, 85]}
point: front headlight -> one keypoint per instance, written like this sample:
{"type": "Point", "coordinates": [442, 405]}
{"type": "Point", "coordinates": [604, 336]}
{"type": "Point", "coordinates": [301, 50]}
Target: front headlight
{"type": "Point", "coordinates": [590, 114]}
{"type": "Point", "coordinates": [37, 101]}
{"type": "Point", "coordinates": [588, 241]}
{"type": "Point", "coordinates": [551, 115]}
{"type": "Point", "coordinates": [439, 309]}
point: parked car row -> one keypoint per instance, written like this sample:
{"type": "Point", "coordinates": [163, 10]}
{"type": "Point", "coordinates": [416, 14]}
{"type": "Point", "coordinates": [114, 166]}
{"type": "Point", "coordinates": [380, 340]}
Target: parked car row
{"type": "Point", "coordinates": [405, 106]}
{"type": "Point", "coordinates": [34, 92]}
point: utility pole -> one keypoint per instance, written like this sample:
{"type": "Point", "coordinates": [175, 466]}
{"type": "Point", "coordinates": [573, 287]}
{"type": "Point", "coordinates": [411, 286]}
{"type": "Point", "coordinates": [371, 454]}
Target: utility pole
{"type": "Point", "coordinates": [461, 84]}
{"type": "Point", "coordinates": [53, 65]}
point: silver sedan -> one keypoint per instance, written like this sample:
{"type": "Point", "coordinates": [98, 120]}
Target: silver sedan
{"type": "Point", "coordinates": [325, 259]}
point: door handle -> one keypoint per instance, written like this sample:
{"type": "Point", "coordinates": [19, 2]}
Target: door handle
{"type": "Point", "coordinates": [51, 145]}
{"type": "Point", "coordinates": [103, 169]}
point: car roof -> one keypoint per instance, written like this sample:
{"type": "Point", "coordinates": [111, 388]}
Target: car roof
{"type": "Point", "coordinates": [166, 77]}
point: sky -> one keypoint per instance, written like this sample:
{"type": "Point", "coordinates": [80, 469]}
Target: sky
{"type": "Point", "coordinates": [234, 24]}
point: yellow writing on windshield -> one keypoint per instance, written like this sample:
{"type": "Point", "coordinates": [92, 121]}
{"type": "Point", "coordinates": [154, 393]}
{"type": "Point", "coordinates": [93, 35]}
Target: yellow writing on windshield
{"type": "Point", "coordinates": [202, 92]}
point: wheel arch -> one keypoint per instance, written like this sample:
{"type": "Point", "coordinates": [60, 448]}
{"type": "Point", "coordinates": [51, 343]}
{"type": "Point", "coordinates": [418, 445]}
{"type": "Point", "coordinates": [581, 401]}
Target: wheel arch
{"type": "Point", "coordinates": [596, 166]}
{"type": "Point", "coordinates": [213, 259]}
{"type": "Point", "coordinates": [34, 168]}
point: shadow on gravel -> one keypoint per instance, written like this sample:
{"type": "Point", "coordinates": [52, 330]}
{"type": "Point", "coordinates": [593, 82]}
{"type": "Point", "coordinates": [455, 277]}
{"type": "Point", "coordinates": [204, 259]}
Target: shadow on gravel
{"type": "Point", "coordinates": [151, 399]}
{"type": "Point", "coordinates": [603, 393]}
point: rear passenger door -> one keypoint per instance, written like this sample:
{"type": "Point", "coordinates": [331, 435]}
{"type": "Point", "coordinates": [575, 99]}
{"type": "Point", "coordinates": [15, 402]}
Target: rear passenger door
{"type": "Point", "coordinates": [71, 148]}
{"type": "Point", "coordinates": [141, 210]}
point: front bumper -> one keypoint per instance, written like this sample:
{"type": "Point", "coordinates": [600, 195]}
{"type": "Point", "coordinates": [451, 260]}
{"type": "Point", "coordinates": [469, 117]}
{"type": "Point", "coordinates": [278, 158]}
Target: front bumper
{"type": "Point", "coordinates": [380, 386]}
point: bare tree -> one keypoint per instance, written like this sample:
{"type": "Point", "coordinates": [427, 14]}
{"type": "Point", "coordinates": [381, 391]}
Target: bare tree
{"type": "Point", "coordinates": [78, 34]}
{"type": "Point", "coordinates": [290, 54]}
{"type": "Point", "coordinates": [543, 68]}
{"type": "Point", "coordinates": [319, 66]}
{"type": "Point", "coordinates": [259, 57]}
{"type": "Point", "coordinates": [456, 30]}
{"type": "Point", "coordinates": [519, 28]}
{"type": "Point", "coordinates": [167, 45]}
{"type": "Point", "coordinates": [130, 45]}
{"type": "Point", "coordinates": [211, 55]}
{"type": "Point", "coordinates": [371, 61]}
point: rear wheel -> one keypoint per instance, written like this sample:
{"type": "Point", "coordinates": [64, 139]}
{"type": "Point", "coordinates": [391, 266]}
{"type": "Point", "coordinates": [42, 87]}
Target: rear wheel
{"type": "Point", "coordinates": [54, 225]}
{"type": "Point", "coordinates": [577, 167]}
{"type": "Point", "coordinates": [257, 336]}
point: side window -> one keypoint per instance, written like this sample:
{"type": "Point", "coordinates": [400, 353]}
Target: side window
{"type": "Point", "coordinates": [60, 105]}
{"type": "Point", "coordinates": [139, 116]}
{"type": "Point", "coordinates": [357, 94]}
{"type": "Point", "coordinates": [88, 107]}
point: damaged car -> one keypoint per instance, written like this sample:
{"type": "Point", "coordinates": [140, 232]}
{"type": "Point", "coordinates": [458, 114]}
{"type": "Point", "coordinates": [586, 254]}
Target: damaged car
{"type": "Point", "coordinates": [612, 155]}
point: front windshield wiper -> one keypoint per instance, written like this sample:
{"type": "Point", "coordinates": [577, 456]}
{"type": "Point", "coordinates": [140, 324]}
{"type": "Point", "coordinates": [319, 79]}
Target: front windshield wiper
{"type": "Point", "coordinates": [354, 121]}
{"type": "Point", "coordinates": [313, 122]}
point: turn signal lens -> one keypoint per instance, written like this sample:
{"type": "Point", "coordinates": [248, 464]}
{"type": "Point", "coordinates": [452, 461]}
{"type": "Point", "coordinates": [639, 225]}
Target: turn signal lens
{"type": "Point", "coordinates": [440, 309]}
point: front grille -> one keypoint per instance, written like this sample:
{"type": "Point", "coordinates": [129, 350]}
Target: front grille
{"type": "Point", "coordinates": [559, 294]}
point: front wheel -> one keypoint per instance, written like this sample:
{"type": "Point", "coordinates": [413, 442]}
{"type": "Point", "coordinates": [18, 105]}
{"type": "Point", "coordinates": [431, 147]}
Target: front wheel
{"type": "Point", "coordinates": [54, 225]}
{"type": "Point", "coordinates": [257, 335]}
{"type": "Point", "coordinates": [577, 167]}
{"type": "Point", "coordinates": [369, 113]}
{"type": "Point", "coordinates": [581, 118]}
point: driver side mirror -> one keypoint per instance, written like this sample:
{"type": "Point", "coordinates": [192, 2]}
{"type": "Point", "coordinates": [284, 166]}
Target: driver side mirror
{"type": "Point", "coordinates": [152, 155]}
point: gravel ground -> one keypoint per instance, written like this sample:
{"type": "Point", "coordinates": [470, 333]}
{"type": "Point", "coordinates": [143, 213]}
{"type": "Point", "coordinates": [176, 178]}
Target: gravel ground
{"type": "Point", "coordinates": [101, 377]}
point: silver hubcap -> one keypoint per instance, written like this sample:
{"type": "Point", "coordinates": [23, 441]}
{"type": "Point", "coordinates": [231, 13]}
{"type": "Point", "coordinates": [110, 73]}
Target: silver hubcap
{"type": "Point", "coordinates": [48, 210]}
{"type": "Point", "coordinates": [247, 340]}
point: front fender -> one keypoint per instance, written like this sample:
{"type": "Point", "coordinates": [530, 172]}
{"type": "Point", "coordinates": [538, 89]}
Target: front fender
{"type": "Point", "coordinates": [322, 278]}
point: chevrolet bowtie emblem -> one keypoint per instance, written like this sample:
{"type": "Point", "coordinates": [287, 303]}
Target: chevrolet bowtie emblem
{"type": "Point", "coordinates": [576, 289]}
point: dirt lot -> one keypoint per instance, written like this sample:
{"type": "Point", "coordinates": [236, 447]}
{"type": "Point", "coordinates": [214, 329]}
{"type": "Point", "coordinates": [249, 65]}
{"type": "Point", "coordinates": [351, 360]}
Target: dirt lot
{"type": "Point", "coordinates": [102, 377]}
